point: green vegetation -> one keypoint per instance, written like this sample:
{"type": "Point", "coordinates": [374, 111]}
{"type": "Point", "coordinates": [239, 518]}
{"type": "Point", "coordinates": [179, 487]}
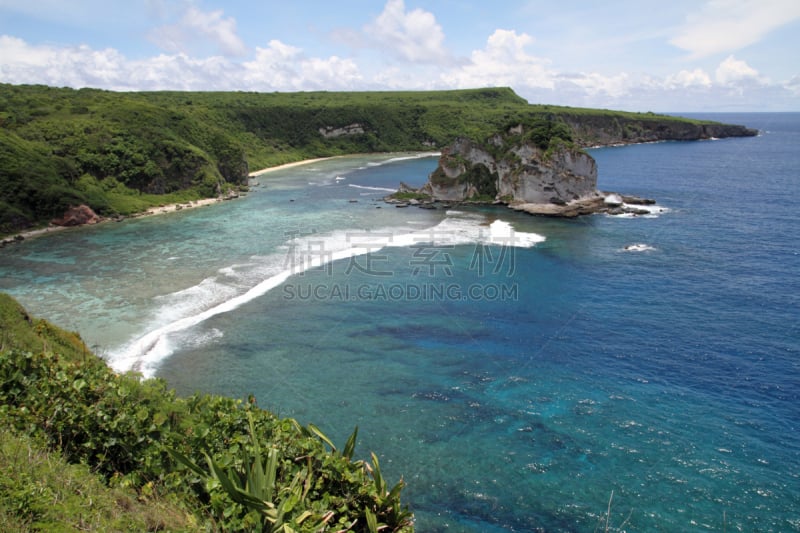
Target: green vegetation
{"type": "Point", "coordinates": [544, 132]}
{"type": "Point", "coordinates": [120, 153]}
{"type": "Point", "coordinates": [87, 449]}
{"type": "Point", "coordinates": [40, 491]}
{"type": "Point", "coordinates": [410, 195]}
{"type": "Point", "coordinates": [483, 181]}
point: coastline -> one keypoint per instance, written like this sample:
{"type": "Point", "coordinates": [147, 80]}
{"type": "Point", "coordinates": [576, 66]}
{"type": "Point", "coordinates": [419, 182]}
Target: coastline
{"type": "Point", "coordinates": [289, 165]}
{"type": "Point", "coordinates": [153, 211]}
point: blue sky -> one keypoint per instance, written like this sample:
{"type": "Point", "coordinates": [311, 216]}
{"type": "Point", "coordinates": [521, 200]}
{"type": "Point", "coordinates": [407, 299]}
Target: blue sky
{"type": "Point", "coordinates": [639, 55]}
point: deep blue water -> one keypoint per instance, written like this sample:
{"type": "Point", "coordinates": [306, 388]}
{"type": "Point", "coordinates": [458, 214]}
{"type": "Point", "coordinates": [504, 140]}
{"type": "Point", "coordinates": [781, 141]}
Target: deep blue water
{"type": "Point", "coordinates": [514, 388]}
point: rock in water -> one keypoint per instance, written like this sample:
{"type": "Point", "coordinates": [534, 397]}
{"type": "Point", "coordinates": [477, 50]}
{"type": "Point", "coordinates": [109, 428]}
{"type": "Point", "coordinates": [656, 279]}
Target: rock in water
{"type": "Point", "coordinates": [534, 167]}
{"type": "Point", "coordinates": [515, 166]}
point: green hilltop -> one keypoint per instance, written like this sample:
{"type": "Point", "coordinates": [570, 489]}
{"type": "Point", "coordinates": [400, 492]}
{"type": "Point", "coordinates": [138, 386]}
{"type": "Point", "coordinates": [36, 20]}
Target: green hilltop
{"type": "Point", "coordinates": [120, 153]}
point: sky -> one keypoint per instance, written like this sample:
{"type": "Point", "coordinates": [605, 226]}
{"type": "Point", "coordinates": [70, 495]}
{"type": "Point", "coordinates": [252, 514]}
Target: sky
{"type": "Point", "coordinates": [636, 55]}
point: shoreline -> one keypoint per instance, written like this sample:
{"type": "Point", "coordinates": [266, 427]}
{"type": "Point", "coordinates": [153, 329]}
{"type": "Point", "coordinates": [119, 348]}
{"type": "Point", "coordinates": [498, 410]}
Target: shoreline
{"type": "Point", "coordinates": [290, 165]}
{"type": "Point", "coordinates": [150, 211]}
{"type": "Point", "coordinates": [153, 211]}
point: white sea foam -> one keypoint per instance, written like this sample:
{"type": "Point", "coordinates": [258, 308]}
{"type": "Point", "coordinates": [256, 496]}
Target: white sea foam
{"type": "Point", "coordinates": [653, 211]}
{"type": "Point", "coordinates": [204, 295]}
{"type": "Point", "coordinates": [638, 247]}
{"type": "Point", "coordinates": [376, 189]}
{"type": "Point", "coordinates": [238, 284]}
{"type": "Point", "coordinates": [457, 213]}
{"type": "Point", "coordinates": [145, 353]}
{"type": "Point", "coordinates": [419, 155]}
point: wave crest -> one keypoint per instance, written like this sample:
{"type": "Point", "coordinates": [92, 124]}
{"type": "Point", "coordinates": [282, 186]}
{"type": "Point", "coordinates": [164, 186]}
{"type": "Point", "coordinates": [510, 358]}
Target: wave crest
{"type": "Point", "coordinates": [239, 284]}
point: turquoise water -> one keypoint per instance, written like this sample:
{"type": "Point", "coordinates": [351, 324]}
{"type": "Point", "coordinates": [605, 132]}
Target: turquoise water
{"type": "Point", "coordinates": [513, 382]}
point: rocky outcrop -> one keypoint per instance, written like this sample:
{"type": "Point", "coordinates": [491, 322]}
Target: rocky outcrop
{"type": "Point", "coordinates": [77, 216]}
{"type": "Point", "coordinates": [611, 203]}
{"type": "Point", "coordinates": [561, 176]}
{"type": "Point", "coordinates": [510, 168]}
{"type": "Point", "coordinates": [529, 168]}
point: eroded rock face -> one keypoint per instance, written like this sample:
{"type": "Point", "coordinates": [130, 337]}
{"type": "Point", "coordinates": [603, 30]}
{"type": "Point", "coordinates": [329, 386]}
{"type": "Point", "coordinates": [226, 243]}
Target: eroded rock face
{"type": "Point", "coordinates": [513, 170]}
{"type": "Point", "coordinates": [455, 179]}
{"type": "Point", "coordinates": [77, 216]}
{"type": "Point", "coordinates": [351, 129]}
{"type": "Point", "coordinates": [563, 176]}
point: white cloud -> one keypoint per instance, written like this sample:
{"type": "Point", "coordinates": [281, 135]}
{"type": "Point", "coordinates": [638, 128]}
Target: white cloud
{"type": "Point", "coordinates": [198, 27]}
{"type": "Point", "coordinates": [728, 25]}
{"type": "Point", "coordinates": [273, 66]}
{"type": "Point", "coordinates": [412, 36]}
{"type": "Point", "coordinates": [276, 67]}
{"type": "Point", "coordinates": [733, 71]}
{"type": "Point", "coordinates": [793, 85]}
{"type": "Point", "coordinates": [179, 72]}
{"type": "Point", "coordinates": [688, 78]}
{"type": "Point", "coordinates": [503, 62]}
{"type": "Point", "coordinates": [597, 84]}
{"type": "Point", "coordinates": [73, 66]}
{"type": "Point", "coordinates": [284, 67]}
{"type": "Point", "coordinates": [18, 55]}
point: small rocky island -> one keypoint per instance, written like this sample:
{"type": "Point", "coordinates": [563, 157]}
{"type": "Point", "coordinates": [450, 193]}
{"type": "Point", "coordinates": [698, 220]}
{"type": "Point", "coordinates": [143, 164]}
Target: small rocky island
{"type": "Point", "coordinates": [536, 167]}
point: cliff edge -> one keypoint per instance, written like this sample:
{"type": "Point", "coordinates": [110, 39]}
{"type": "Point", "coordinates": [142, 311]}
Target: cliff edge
{"type": "Point", "coordinates": [595, 128]}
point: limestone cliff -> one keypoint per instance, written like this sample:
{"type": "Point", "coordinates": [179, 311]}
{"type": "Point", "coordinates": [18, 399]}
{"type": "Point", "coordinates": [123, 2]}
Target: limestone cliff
{"type": "Point", "coordinates": [536, 168]}
{"type": "Point", "coordinates": [602, 129]}
{"type": "Point", "coordinates": [515, 166]}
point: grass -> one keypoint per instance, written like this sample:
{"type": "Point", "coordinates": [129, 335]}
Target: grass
{"type": "Point", "coordinates": [40, 491]}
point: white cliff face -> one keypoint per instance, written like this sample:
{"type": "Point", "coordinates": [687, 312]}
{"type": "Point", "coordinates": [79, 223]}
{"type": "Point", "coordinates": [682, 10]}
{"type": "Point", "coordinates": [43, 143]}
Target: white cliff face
{"type": "Point", "coordinates": [456, 162]}
{"type": "Point", "coordinates": [449, 193]}
{"type": "Point", "coordinates": [518, 173]}
{"type": "Point", "coordinates": [563, 177]}
{"type": "Point", "coordinates": [332, 131]}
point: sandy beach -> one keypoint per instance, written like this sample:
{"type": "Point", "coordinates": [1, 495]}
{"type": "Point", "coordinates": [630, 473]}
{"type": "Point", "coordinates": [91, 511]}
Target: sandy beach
{"type": "Point", "coordinates": [288, 165]}
{"type": "Point", "coordinates": [169, 208]}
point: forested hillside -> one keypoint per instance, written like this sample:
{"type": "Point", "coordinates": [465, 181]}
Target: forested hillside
{"type": "Point", "coordinates": [120, 153]}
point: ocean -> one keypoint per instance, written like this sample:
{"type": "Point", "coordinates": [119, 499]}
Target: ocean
{"type": "Point", "coordinates": [519, 373]}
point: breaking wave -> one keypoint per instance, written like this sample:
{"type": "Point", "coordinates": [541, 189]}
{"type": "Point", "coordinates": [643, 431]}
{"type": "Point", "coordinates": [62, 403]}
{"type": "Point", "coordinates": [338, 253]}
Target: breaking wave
{"type": "Point", "coordinates": [239, 284]}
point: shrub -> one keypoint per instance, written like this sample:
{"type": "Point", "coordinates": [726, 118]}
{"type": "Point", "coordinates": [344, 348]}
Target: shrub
{"type": "Point", "coordinates": [139, 436]}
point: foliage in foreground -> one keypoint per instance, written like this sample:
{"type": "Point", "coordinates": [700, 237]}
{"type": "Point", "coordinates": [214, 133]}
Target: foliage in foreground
{"type": "Point", "coordinates": [259, 472]}
{"type": "Point", "coordinates": [40, 491]}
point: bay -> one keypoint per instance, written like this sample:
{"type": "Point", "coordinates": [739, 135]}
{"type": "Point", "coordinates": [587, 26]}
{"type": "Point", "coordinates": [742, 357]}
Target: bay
{"type": "Point", "coordinates": [513, 385]}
